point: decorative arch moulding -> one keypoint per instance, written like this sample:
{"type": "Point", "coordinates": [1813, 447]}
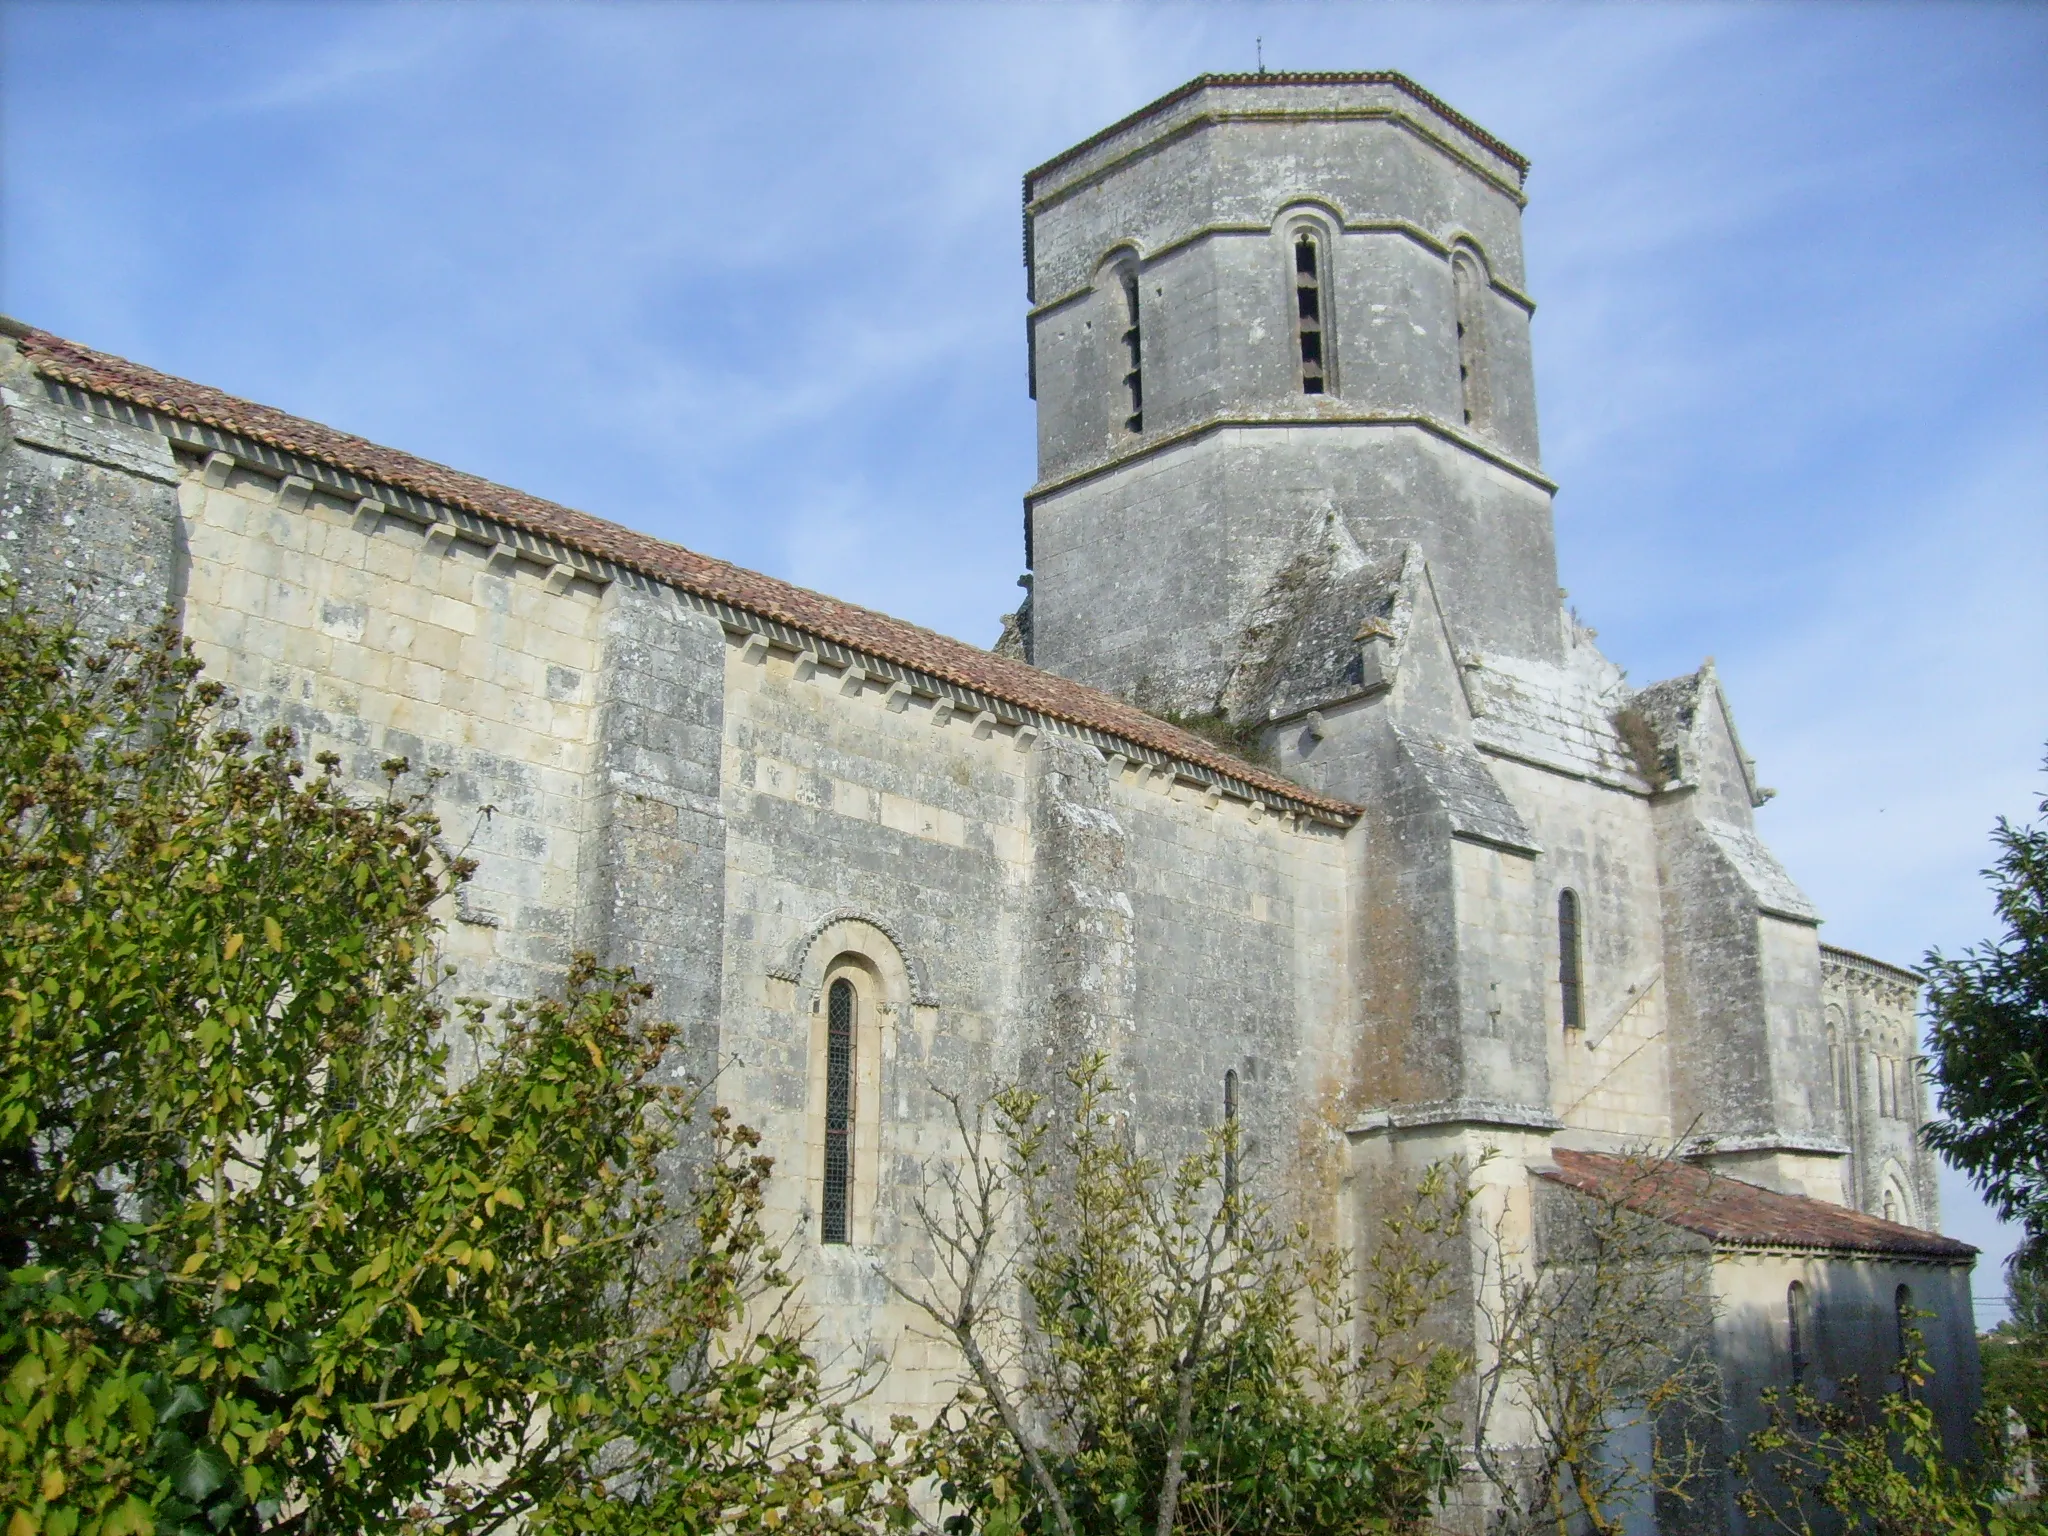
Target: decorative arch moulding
{"type": "Point", "coordinates": [792, 968]}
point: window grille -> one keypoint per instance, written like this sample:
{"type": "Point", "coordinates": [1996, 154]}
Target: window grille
{"type": "Point", "coordinates": [838, 1109]}
{"type": "Point", "coordinates": [1308, 317]}
{"type": "Point", "coordinates": [1570, 992]}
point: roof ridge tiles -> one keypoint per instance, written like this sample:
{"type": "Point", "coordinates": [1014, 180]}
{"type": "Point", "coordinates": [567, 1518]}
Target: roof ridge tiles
{"type": "Point", "coordinates": [848, 624]}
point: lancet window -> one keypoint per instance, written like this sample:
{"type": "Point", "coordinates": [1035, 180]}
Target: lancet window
{"type": "Point", "coordinates": [1798, 1330]}
{"type": "Point", "coordinates": [1230, 1126]}
{"type": "Point", "coordinates": [1475, 386]}
{"type": "Point", "coordinates": [1570, 988]}
{"type": "Point", "coordinates": [1133, 353]}
{"type": "Point", "coordinates": [1309, 305]}
{"type": "Point", "coordinates": [840, 1003]}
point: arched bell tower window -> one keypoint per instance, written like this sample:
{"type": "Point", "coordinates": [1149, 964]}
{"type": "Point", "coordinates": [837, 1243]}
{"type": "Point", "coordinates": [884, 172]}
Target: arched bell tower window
{"type": "Point", "coordinates": [840, 1004]}
{"type": "Point", "coordinates": [1475, 384]}
{"type": "Point", "coordinates": [1570, 990]}
{"type": "Point", "coordinates": [1133, 350]}
{"type": "Point", "coordinates": [1309, 305]}
{"type": "Point", "coordinates": [1798, 1330]}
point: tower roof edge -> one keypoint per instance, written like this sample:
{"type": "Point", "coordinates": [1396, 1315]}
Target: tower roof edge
{"type": "Point", "coordinates": [1267, 80]}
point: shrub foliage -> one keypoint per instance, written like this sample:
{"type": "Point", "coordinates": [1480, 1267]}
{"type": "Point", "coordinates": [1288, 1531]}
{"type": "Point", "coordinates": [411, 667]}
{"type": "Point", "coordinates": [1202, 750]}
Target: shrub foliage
{"type": "Point", "coordinates": [269, 1264]}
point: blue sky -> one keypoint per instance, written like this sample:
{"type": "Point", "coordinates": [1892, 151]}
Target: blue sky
{"type": "Point", "coordinates": [748, 277]}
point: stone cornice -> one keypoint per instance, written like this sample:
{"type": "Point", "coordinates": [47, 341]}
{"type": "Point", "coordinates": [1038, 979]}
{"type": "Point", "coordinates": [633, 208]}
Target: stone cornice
{"type": "Point", "coordinates": [1196, 122]}
{"type": "Point", "coordinates": [1438, 1112]}
{"type": "Point", "coordinates": [1879, 970]}
{"type": "Point", "coordinates": [1228, 422]}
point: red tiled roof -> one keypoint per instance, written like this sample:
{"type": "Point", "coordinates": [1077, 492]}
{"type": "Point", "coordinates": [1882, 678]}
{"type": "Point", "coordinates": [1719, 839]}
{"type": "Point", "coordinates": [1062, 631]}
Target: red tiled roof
{"type": "Point", "coordinates": [1739, 1214]}
{"type": "Point", "coordinates": [1368, 77]}
{"type": "Point", "coordinates": [859, 629]}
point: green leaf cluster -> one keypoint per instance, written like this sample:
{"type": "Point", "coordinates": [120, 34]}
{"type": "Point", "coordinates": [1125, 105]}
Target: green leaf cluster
{"type": "Point", "coordinates": [1987, 1034]}
{"type": "Point", "coordinates": [269, 1264]}
{"type": "Point", "coordinates": [1870, 1469]}
{"type": "Point", "coordinates": [1190, 1361]}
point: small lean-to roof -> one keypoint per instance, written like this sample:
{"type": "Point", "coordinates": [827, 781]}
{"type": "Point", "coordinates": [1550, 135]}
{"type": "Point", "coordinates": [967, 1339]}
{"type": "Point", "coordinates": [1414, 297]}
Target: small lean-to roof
{"type": "Point", "coordinates": [1735, 1214]}
{"type": "Point", "coordinates": [859, 629]}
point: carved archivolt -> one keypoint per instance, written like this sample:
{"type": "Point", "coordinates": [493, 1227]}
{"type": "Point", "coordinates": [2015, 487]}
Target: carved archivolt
{"type": "Point", "coordinates": [792, 968]}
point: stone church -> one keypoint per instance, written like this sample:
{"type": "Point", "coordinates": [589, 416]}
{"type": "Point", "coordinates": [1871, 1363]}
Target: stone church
{"type": "Point", "coordinates": [1452, 884]}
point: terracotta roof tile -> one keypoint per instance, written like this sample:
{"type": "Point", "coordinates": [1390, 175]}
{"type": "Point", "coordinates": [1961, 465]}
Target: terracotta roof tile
{"type": "Point", "coordinates": [1740, 1214]}
{"type": "Point", "coordinates": [859, 629]}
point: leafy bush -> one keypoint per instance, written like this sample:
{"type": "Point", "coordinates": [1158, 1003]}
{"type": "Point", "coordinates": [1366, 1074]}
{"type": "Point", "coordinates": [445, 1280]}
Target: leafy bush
{"type": "Point", "coordinates": [268, 1266]}
{"type": "Point", "coordinates": [1189, 1362]}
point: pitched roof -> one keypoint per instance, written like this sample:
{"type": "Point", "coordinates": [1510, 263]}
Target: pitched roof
{"type": "Point", "coordinates": [860, 629]}
{"type": "Point", "coordinates": [1737, 1214]}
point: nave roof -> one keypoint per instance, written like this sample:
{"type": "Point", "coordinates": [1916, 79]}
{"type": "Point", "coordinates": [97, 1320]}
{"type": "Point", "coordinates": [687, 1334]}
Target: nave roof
{"type": "Point", "coordinates": [847, 624]}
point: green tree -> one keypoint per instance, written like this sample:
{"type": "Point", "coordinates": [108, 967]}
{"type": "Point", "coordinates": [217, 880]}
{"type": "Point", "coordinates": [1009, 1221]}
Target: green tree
{"type": "Point", "coordinates": [269, 1267]}
{"type": "Point", "coordinates": [1987, 1038]}
{"type": "Point", "coordinates": [1606, 1338]}
{"type": "Point", "coordinates": [2015, 1356]}
{"type": "Point", "coordinates": [1189, 1362]}
{"type": "Point", "coordinates": [1849, 1466]}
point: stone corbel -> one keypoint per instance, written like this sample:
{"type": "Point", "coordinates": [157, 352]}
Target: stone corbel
{"type": "Point", "coordinates": [293, 492]}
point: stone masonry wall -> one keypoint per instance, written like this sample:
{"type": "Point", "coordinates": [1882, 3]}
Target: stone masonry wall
{"type": "Point", "coordinates": [1004, 904]}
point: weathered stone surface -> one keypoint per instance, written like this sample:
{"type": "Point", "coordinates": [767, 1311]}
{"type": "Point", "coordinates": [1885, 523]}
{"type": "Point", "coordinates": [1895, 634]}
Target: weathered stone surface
{"type": "Point", "coordinates": [685, 778]}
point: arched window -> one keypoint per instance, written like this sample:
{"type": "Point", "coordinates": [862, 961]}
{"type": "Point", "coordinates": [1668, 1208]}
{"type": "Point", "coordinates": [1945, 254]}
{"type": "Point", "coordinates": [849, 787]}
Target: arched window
{"type": "Point", "coordinates": [1569, 989]}
{"type": "Point", "coordinates": [1134, 361]}
{"type": "Point", "coordinates": [1468, 281]}
{"type": "Point", "coordinates": [1230, 1133]}
{"type": "Point", "coordinates": [1308, 316]}
{"type": "Point", "coordinates": [1798, 1330]}
{"type": "Point", "coordinates": [1841, 1059]}
{"type": "Point", "coordinates": [838, 1110]}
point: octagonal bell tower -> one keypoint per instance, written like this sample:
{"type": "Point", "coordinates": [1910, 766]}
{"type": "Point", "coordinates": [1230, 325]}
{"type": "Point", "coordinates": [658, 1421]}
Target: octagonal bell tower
{"type": "Point", "coordinates": [1277, 322]}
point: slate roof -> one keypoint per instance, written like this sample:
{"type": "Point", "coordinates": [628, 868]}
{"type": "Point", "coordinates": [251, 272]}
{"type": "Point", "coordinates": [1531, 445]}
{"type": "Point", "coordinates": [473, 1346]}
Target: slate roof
{"type": "Point", "coordinates": [860, 629]}
{"type": "Point", "coordinates": [1469, 793]}
{"type": "Point", "coordinates": [1736, 1214]}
